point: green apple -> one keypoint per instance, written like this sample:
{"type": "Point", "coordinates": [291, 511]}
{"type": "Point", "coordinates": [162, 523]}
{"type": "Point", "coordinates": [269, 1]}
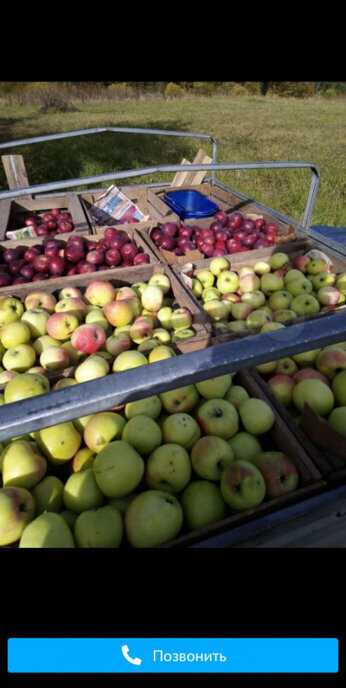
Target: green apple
{"type": "Point", "coordinates": [217, 310]}
{"type": "Point", "coordinates": [242, 486]}
{"type": "Point", "coordinates": [227, 282]}
{"type": "Point", "coordinates": [261, 267]}
{"type": "Point", "coordinates": [81, 492]}
{"type": "Point", "coordinates": [180, 400]}
{"type": "Point", "coordinates": [279, 260]}
{"type": "Point", "coordinates": [279, 472]}
{"type": "Point", "coordinates": [121, 503]}
{"type": "Point", "coordinates": [15, 333]}
{"type": "Point", "coordinates": [127, 360]}
{"type": "Point", "coordinates": [337, 420]}
{"type": "Point", "coordinates": [271, 327]}
{"type": "Point", "coordinates": [160, 353]}
{"type": "Point", "coordinates": [257, 319]}
{"type": "Point", "coordinates": [103, 428]}
{"type": "Point", "coordinates": [206, 277]}
{"type": "Point", "coordinates": [55, 358]}
{"type": "Point", "coordinates": [218, 417]}
{"type": "Point", "coordinates": [70, 517]}
{"type": "Point", "coordinates": [152, 298]}
{"type": "Point", "coordinates": [240, 311]}
{"type": "Point", "coordinates": [215, 387]}
{"type": "Point", "coordinates": [291, 275]}
{"type": "Point", "coordinates": [271, 283]}
{"type": "Point", "coordinates": [255, 298]}
{"type": "Point", "coordinates": [210, 455]}
{"type": "Point", "coordinates": [324, 279]}
{"type": "Point", "coordinates": [168, 468]}
{"type": "Point", "coordinates": [24, 386]}
{"type": "Point", "coordinates": [341, 282]}
{"type": "Point", "coordinates": [297, 286]}
{"type": "Point", "coordinates": [43, 342]}
{"type": "Point", "coordinates": [22, 464]}
{"type": "Point", "coordinates": [182, 429]}
{"type": "Point", "coordinates": [339, 388]}
{"type": "Point", "coordinates": [236, 394]}
{"type": "Point", "coordinates": [331, 361]}
{"type": "Point", "coordinates": [58, 443]}
{"type": "Point", "coordinates": [83, 459]}
{"type": "Point", "coordinates": [197, 288]}
{"type": "Point", "coordinates": [286, 366]}
{"type": "Point", "coordinates": [180, 335]}
{"type": "Point", "coordinates": [245, 446]}
{"type": "Point", "coordinates": [94, 366]}
{"type": "Point", "coordinates": [280, 300]}
{"type": "Point", "coordinates": [202, 505]}
{"type": "Point", "coordinates": [19, 358]}
{"type": "Point", "coordinates": [284, 315]}
{"type": "Point", "coordinates": [256, 416]}
{"type": "Point", "coordinates": [160, 280]}
{"type": "Point", "coordinates": [49, 530]}
{"type": "Point", "coordinates": [153, 518]}
{"type": "Point", "coordinates": [237, 326]}
{"type": "Point", "coordinates": [99, 528]}
{"type": "Point", "coordinates": [316, 393]}
{"type": "Point", "coordinates": [317, 266]}
{"type": "Point", "coordinates": [305, 304]}
{"type": "Point", "coordinates": [151, 406]}
{"type": "Point", "coordinates": [48, 494]}
{"type": "Point", "coordinates": [211, 293]}
{"type": "Point", "coordinates": [118, 469]}
{"type": "Point", "coordinates": [218, 265]}
{"type": "Point", "coordinates": [306, 358]}
{"type": "Point", "coordinates": [17, 509]}
{"type": "Point", "coordinates": [11, 309]}
{"type": "Point", "coordinates": [36, 319]}
{"type": "Point", "coordinates": [142, 433]}
{"type": "Point", "coordinates": [266, 368]}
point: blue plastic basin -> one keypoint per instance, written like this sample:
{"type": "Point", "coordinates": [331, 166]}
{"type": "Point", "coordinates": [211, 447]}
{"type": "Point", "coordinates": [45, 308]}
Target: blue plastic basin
{"type": "Point", "coordinates": [190, 203]}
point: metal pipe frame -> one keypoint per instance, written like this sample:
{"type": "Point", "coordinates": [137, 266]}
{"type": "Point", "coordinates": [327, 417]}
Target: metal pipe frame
{"type": "Point", "coordinates": [113, 390]}
{"type": "Point", "coordinates": [111, 176]}
{"type": "Point", "coordinates": [118, 130]}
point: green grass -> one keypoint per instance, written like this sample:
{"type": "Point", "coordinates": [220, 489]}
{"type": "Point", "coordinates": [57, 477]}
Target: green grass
{"type": "Point", "coordinates": [246, 129]}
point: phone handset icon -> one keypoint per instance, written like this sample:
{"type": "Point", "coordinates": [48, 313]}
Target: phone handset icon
{"type": "Point", "coordinates": [125, 651]}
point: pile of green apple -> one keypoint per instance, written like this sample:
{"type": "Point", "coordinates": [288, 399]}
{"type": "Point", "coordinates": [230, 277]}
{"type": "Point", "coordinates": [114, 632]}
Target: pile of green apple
{"type": "Point", "coordinates": [160, 467]}
{"type": "Point", "coordinates": [316, 377]}
{"type": "Point", "coordinates": [105, 329]}
{"type": "Point", "coordinates": [267, 294]}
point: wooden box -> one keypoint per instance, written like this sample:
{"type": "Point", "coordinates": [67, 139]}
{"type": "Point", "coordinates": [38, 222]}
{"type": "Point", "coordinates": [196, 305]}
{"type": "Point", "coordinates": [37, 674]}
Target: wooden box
{"type": "Point", "coordinates": [14, 212]}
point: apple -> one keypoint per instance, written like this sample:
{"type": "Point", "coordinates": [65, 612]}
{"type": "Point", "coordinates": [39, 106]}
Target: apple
{"type": "Point", "coordinates": [161, 352]}
{"type": "Point", "coordinates": [161, 336]}
{"type": "Point", "coordinates": [101, 429]}
{"type": "Point", "coordinates": [69, 292]}
{"type": "Point", "coordinates": [227, 282]}
{"type": "Point", "coordinates": [48, 495]}
{"type": "Point", "coordinates": [240, 311]}
{"type": "Point", "coordinates": [59, 443]}
{"type": "Point", "coordinates": [216, 310]}
{"type": "Point", "coordinates": [72, 305]}
{"type": "Point", "coordinates": [181, 318]}
{"type": "Point", "coordinates": [40, 299]}
{"type": "Point", "coordinates": [17, 509]}
{"type": "Point", "coordinates": [280, 300]}
{"type": "Point", "coordinates": [210, 454]}
{"type": "Point", "coordinates": [81, 492]}
{"type": "Point", "coordinates": [337, 420]}
{"type": "Point", "coordinates": [142, 433]}
{"type": "Point", "coordinates": [99, 293]}
{"type": "Point", "coordinates": [150, 407]}
{"type": "Point", "coordinates": [328, 296]}
{"type": "Point", "coordinates": [119, 312]}
{"type": "Point", "coordinates": [164, 316]}
{"type": "Point", "coordinates": [306, 358]}
{"type": "Point", "coordinates": [218, 417]}
{"type": "Point", "coordinates": [255, 298]}
{"type": "Point", "coordinates": [22, 465]}
{"type": "Point", "coordinates": [118, 343]}
{"type": "Point", "coordinates": [323, 279]}
{"type": "Point", "coordinates": [96, 317]}
{"type": "Point", "coordinates": [153, 518]}
{"type": "Point", "coordinates": [308, 374]}
{"type": "Point", "coordinates": [54, 358]}
{"type": "Point", "coordinates": [49, 530]}
{"type": "Point", "coordinates": [11, 309]}
{"type": "Point", "coordinates": [341, 282]}
{"type": "Point", "coordinates": [99, 528]}
{"type": "Point", "coordinates": [279, 260]}
{"type": "Point", "coordinates": [152, 298]}
{"type": "Point", "coordinates": [180, 400]}
{"type": "Point", "coordinates": [180, 428]}
{"type": "Point", "coordinates": [297, 286]}
{"type": "Point", "coordinates": [218, 265]}
{"type": "Point", "coordinates": [269, 283]}
{"type": "Point", "coordinates": [283, 315]}
{"type": "Point", "coordinates": [339, 388]}
{"type": "Point", "coordinates": [64, 382]}
{"type": "Point", "coordinates": [305, 304]}
{"type": "Point", "coordinates": [24, 386]}
{"type": "Point", "coordinates": [279, 472]}
{"type": "Point", "coordinates": [286, 366]}
{"type": "Point", "coordinates": [257, 318]}
{"type": "Point", "coordinates": [236, 394]}
{"type": "Point", "coordinates": [249, 283]}
{"type": "Point", "coordinates": [215, 387]}
{"type": "Point", "coordinates": [82, 460]}
{"type": "Point", "coordinates": [19, 358]}
{"type": "Point", "coordinates": [242, 485]}
{"type": "Point", "coordinates": [202, 505]}
{"type": "Point", "coordinates": [331, 361]}
{"type": "Point", "coordinates": [317, 266]}
{"type": "Point", "coordinates": [160, 280]}
{"type": "Point", "coordinates": [168, 468]}
{"type": "Point", "coordinates": [206, 277]}
{"type": "Point", "coordinates": [118, 469]}
{"type": "Point", "coordinates": [127, 360]}
{"type": "Point", "coordinates": [245, 446]}
{"type": "Point", "coordinates": [88, 338]}
{"type": "Point", "coordinates": [282, 387]}
{"type": "Point", "coordinates": [94, 366]}
{"type": "Point", "coordinates": [197, 288]}
{"type": "Point", "coordinates": [256, 416]}
{"type": "Point", "coordinates": [61, 325]}
{"type": "Point", "coordinates": [316, 393]}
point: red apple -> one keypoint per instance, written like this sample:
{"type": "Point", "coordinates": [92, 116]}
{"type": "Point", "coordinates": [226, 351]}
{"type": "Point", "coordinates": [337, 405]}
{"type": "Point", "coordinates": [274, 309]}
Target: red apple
{"type": "Point", "coordinates": [30, 254]}
{"type": "Point", "coordinates": [169, 228]}
{"type": "Point", "coordinates": [64, 226]}
{"type": "Point", "coordinates": [129, 251]}
{"type": "Point", "coordinates": [260, 223]}
{"type": "Point", "coordinates": [96, 256]}
{"type": "Point", "coordinates": [11, 254]}
{"type": "Point", "coordinates": [55, 212]}
{"type": "Point", "coordinates": [233, 245]}
{"type": "Point", "coordinates": [41, 264]}
{"type": "Point", "coordinates": [169, 243]}
{"type": "Point", "coordinates": [221, 216]}
{"type": "Point", "coordinates": [27, 271]}
{"type": "Point", "coordinates": [141, 259]}
{"type": "Point", "coordinates": [15, 266]}
{"type": "Point", "coordinates": [207, 249]}
{"type": "Point", "coordinates": [113, 256]}
{"type": "Point", "coordinates": [57, 266]}
{"type": "Point", "coordinates": [5, 279]}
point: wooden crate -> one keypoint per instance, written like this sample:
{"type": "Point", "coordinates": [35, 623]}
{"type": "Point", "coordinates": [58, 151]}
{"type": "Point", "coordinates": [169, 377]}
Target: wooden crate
{"type": "Point", "coordinates": [134, 236]}
{"type": "Point", "coordinates": [248, 259]}
{"type": "Point", "coordinates": [124, 277]}
{"type": "Point", "coordinates": [14, 212]}
{"type": "Point", "coordinates": [282, 438]}
{"type": "Point", "coordinates": [143, 197]}
{"type": "Point", "coordinates": [326, 449]}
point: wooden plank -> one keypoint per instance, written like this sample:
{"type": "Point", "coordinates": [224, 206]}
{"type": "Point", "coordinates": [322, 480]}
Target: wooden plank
{"type": "Point", "coordinates": [15, 171]}
{"type": "Point", "coordinates": [5, 214]}
{"type": "Point", "coordinates": [161, 210]}
{"type": "Point", "coordinates": [80, 221]}
{"type": "Point", "coordinates": [179, 177]}
{"type": "Point", "coordinates": [193, 178]}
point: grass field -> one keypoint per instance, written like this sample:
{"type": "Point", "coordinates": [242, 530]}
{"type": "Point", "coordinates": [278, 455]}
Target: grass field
{"type": "Point", "coordinates": [246, 129]}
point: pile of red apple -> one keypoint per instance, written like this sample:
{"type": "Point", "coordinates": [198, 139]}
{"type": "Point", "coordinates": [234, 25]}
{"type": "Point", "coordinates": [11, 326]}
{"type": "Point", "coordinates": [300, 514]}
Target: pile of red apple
{"type": "Point", "coordinates": [227, 234]}
{"type": "Point", "coordinates": [53, 222]}
{"type": "Point", "coordinates": [58, 258]}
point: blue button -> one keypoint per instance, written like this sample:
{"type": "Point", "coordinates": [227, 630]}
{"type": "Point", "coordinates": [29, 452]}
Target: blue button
{"type": "Point", "coordinates": [173, 655]}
